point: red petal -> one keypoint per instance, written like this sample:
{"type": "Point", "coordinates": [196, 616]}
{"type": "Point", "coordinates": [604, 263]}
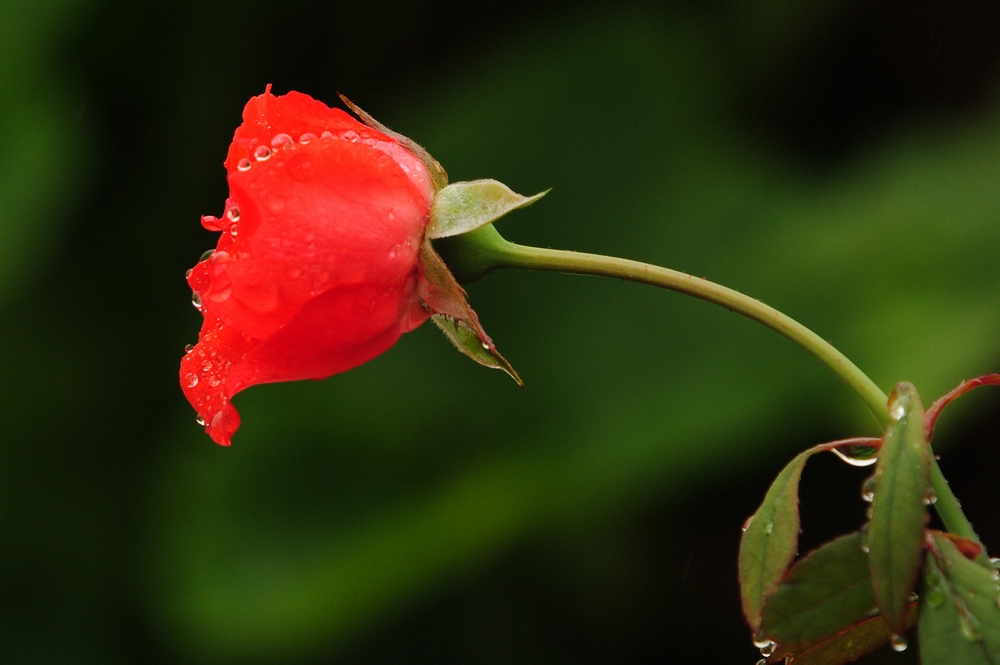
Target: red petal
{"type": "Point", "coordinates": [205, 372]}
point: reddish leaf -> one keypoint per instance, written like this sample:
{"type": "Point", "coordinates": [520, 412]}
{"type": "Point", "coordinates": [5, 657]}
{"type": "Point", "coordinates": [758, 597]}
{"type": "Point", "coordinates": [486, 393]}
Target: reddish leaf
{"type": "Point", "coordinates": [931, 416]}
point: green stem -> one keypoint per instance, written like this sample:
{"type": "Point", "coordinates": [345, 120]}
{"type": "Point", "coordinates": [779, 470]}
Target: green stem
{"type": "Point", "coordinates": [950, 510]}
{"type": "Point", "coordinates": [518, 256]}
{"type": "Point", "coordinates": [475, 254]}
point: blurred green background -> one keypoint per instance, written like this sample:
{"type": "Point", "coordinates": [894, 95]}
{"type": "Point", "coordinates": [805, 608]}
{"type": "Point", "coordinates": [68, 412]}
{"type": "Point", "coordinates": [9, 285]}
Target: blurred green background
{"type": "Point", "coordinates": [839, 160]}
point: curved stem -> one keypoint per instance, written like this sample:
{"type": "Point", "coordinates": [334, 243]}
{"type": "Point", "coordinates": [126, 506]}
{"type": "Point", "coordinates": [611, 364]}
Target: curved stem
{"type": "Point", "coordinates": [487, 253]}
{"type": "Point", "coordinates": [519, 256]}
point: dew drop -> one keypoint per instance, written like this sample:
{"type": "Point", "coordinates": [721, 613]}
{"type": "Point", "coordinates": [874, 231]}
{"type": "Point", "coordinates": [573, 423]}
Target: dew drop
{"type": "Point", "coordinates": [196, 300]}
{"type": "Point", "coordinates": [234, 230]}
{"type": "Point", "coordinates": [995, 562]}
{"type": "Point", "coordinates": [768, 527]}
{"type": "Point", "coordinates": [211, 222]}
{"type": "Point", "coordinates": [349, 136]}
{"type": "Point", "coordinates": [486, 346]}
{"type": "Point", "coordinates": [868, 489]}
{"type": "Point", "coordinates": [370, 142]}
{"type": "Point", "coordinates": [897, 412]}
{"type": "Point", "coordinates": [206, 255]}
{"type": "Point", "coordinates": [233, 214]}
{"type": "Point", "coordinates": [760, 640]}
{"type": "Point", "coordinates": [189, 348]}
{"type": "Point", "coordinates": [281, 141]}
{"type": "Point", "coordinates": [935, 597]}
{"type": "Point", "coordinates": [898, 643]}
{"type": "Point", "coordinates": [191, 379]}
{"type": "Point", "coordinates": [930, 499]}
{"type": "Point", "coordinates": [857, 455]}
{"type": "Point", "coordinates": [762, 661]}
{"type": "Point", "coordinates": [746, 525]}
{"type": "Point", "coordinates": [968, 625]}
{"type": "Point", "coordinates": [327, 135]}
{"type": "Point", "coordinates": [306, 138]}
{"type": "Point", "coordinates": [187, 273]}
{"type": "Point", "coordinates": [261, 153]}
{"type": "Point", "coordinates": [865, 548]}
{"type": "Point", "coordinates": [768, 649]}
{"type": "Point", "coordinates": [243, 165]}
{"type": "Point", "coordinates": [200, 420]}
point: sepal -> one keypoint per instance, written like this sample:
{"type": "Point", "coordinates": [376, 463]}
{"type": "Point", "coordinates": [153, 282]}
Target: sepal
{"type": "Point", "coordinates": [466, 206]}
{"type": "Point", "coordinates": [450, 309]}
{"type": "Point", "coordinates": [438, 174]}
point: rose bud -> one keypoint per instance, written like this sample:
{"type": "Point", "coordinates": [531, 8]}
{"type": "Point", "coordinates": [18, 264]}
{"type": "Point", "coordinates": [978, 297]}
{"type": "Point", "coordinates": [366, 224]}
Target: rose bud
{"type": "Point", "coordinates": [324, 259]}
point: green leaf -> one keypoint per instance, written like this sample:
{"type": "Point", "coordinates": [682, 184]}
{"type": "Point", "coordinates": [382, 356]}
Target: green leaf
{"type": "Point", "coordinates": [899, 515]}
{"type": "Point", "coordinates": [450, 310]}
{"type": "Point", "coordinates": [846, 646]}
{"type": "Point", "coordinates": [466, 206]}
{"type": "Point", "coordinates": [823, 595]}
{"type": "Point", "coordinates": [771, 540]}
{"type": "Point", "coordinates": [960, 613]}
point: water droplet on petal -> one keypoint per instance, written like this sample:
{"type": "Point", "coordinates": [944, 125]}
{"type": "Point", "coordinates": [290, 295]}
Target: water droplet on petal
{"type": "Point", "coordinates": [857, 455]}
{"type": "Point", "coordinates": [243, 165]}
{"type": "Point", "coordinates": [196, 300]}
{"type": "Point", "coordinates": [371, 142]}
{"type": "Point", "coordinates": [206, 255]}
{"type": "Point", "coordinates": [187, 273]}
{"type": "Point", "coordinates": [234, 230]}
{"type": "Point", "coordinates": [261, 153]}
{"type": "Point", "coordinates": [868, 489]}
{"type": "Point", "coordinates": [233, 214]}
{"type": "Point", "coordinates": [189, 348]}
{"type": "Point", "coordinates": [898, 643]}
{"type": "Point", "coordinates": [211, 222]}
{"type": "Point", "coordinates": [349, 136]}
{"type": "Point", "coordinates": [191, 379]}
{"type": "Point", "coordinates": [200, 420]}
{"type": "Point", "coordinates": [327, 135]}
{"type": "Point", "coordinates": [306, 138]}
{"type": "Point", "coordinates": [281, 141]}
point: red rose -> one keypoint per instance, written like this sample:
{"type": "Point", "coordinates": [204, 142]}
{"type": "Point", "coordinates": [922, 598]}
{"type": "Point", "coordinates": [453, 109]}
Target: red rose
{"type": "Point", "coordinates": [316, 270]}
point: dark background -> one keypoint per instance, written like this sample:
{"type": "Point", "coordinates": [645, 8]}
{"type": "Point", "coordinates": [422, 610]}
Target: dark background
{"type": "Point", "coordinates": [839, 160]}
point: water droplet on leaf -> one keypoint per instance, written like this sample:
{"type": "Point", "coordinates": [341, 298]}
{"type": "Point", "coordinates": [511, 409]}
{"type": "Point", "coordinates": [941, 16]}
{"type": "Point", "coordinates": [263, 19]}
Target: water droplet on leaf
{"type": "Point", "coordinates": [898, 643]}
{"type": "Point", "coordinates": [760, 640]}
{"type": "Point", "coordinates": [968, 625]}
{"type": "Point", "coordinates": [868, 489]}
{"type": "Point", "coordinates": [935, 597]}
{"type": "Point", "coordinates": [857, 455]}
